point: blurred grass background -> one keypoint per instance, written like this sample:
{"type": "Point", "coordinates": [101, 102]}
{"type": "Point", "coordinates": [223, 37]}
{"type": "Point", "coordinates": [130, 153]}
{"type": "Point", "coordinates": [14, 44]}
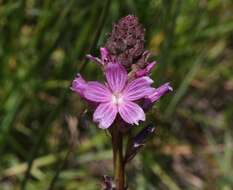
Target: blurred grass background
{"type": "Point", "coordinates": [42, 47]}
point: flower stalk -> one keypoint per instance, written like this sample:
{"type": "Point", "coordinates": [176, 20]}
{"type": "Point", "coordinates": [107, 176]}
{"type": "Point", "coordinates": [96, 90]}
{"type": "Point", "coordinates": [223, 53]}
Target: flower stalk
{"type": "Point", "coordinates": [118, 159]}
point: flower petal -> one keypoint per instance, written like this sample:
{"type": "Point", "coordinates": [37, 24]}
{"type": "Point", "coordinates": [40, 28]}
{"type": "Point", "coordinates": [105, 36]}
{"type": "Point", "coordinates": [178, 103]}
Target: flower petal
{"type": "Point", "coordinates": [131, 113]}
{"type": "Point", "coordinates": [78, 85]}
{"type": "Point", "coordinates": [94, 59]}
{"type": "Point", "coordinates": [105, 114]}
{"type": "Point", "coordinates": [105, 57]}
{"type": "Point", "coordinates": [116, 76]}
{"type": "Point", "coordinates": [97, 92]}
{"type": "Point", "coordinates": [146, 71]}
{"type": "Point", "coordinates": [137, 89]}
{"type": "Point", "coordinates": [158, 92]}
{"type": "Point", "coordinates": [104, 54]}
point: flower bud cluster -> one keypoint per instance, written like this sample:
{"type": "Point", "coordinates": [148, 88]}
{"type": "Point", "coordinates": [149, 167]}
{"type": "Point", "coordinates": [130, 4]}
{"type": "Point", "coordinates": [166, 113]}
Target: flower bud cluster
{"type": "Point", "coordinates": [126, 42]}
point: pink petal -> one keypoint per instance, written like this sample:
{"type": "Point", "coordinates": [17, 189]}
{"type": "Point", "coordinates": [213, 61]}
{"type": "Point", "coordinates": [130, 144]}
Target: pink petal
{"type": "Point", "coordinates": [146, 71]}
{"type": "Point", "coordinates": [104, 54]}
{"type": "Point", "coordinates": [97, 92]}
{"type": "Point", "coordinates": [105, 57]}
{"type": "Point", "coordinates": [79, 85]}
{"type": "Point", "coordinates": [131, 113]}
{"type": "Point", "coordinates": [94, 59]}
{"type": "Point", "coordinates": [116, 77]}
{"type": "Point", "coordinates": [158, 92]}
{"type": "Point", "coordinates": [105, 114]}
{"type": "Point", "coordinates": [138, 88]}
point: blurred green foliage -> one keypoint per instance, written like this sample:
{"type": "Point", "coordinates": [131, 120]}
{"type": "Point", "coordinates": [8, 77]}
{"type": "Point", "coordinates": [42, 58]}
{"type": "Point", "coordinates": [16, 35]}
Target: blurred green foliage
{"type": "Point", "coordinates": [42, 47]}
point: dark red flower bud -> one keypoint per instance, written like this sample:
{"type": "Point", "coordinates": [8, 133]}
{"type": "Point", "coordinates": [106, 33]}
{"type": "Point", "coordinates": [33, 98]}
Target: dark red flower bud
{"type": "Point", "coordinates": [126, 41]}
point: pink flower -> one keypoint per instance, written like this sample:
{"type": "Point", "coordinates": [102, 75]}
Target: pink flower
{"type": "Point", "coordinates": [118, 95]}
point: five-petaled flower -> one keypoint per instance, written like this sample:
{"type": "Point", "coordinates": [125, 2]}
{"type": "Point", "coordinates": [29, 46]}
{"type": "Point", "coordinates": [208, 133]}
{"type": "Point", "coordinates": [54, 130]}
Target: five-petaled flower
{"type": "Point", "coordinates": [119, 95]}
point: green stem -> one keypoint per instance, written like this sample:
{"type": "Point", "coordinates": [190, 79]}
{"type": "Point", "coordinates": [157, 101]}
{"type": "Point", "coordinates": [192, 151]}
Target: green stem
{"type": "Point", "coordinates": [118, 162]}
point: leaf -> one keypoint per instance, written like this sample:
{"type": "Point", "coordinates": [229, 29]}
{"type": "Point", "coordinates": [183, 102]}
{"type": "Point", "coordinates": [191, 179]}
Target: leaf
{"type": "Point", "coordinates": [137, 142]}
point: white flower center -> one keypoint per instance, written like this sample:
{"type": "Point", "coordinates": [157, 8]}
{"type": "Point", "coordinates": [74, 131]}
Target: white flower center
{"type": "Point", "coordinates": [116, 98]}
